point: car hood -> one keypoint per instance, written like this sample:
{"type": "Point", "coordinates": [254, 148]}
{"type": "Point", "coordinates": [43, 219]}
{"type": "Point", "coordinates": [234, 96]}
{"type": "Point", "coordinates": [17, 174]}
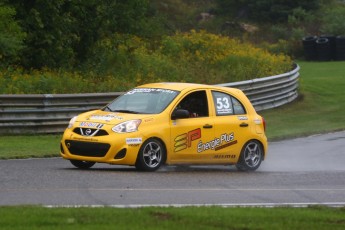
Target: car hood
{"type": "Point", "coordinates": [111, 118]}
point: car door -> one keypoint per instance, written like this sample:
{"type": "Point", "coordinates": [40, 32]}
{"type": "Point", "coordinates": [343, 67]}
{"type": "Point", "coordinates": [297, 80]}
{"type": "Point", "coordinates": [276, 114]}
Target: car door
{"type": "Point", "coordinates": [230, 125]}
{"type": "Point", "coordinates": [188, 134]}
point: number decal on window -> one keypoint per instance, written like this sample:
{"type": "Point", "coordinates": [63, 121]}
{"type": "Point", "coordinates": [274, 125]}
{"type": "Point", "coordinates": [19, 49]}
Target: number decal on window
{"type": "Point", "coordinates": [223, 103]}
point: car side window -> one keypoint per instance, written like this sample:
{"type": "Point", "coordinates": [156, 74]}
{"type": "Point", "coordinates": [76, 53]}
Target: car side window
{"type": "Point", "coordinates": [238, 107]}
{"type": "Point", "coordinates": [195, 103]}
{"type": "Point", "coordinates": [226, 105]}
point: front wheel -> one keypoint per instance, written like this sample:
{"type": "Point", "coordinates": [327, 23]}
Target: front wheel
{"type": "Point", "coordinates": [251, 156]}
{"type": "Point", "coordinates": [82, 164]}
{"type": "Point", "coordinates": [151, 155]}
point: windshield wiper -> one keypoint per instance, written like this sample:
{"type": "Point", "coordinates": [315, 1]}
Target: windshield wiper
{"type": "Point", "coordinates": [107, 108]}
{"type": "Point", "coordinates": [125, 111]}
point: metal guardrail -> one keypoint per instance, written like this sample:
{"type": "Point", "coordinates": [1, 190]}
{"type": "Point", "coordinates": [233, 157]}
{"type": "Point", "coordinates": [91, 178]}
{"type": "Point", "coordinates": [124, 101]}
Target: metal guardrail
{"type": "Point", "coordinates": [50, 113]}
{"type": "Point", "coordinates": [46, 113]}
{"type": "Point", "coordinates": [270, 92]}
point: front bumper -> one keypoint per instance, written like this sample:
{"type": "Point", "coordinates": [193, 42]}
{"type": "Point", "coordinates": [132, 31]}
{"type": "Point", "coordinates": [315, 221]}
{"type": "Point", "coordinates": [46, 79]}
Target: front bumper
{"type": "Point", "coordinates": [112, 148]}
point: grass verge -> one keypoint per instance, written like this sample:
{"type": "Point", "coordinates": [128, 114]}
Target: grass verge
{"type": "Point", "coordinates": [318, 109]}
{"type": "Point", "coordinates": [14, 147]}
{"type": "Point", "coordinates": [33, 217]}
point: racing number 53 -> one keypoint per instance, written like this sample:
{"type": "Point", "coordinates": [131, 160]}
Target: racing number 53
{"type": "Point", "coordinates": [223, 103]}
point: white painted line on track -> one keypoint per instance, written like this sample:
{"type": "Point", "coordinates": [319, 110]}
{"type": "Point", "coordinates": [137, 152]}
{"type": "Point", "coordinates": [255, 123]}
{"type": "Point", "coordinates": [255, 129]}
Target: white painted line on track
{"type": "Point", "coordinates": [172, 189]}
{"type": "Point", "coordinates": [235, 205]}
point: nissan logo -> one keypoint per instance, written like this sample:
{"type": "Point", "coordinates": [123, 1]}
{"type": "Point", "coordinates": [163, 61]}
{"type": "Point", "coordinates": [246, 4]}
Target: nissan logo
{"type": "Point", "coordinates": [88, 132]}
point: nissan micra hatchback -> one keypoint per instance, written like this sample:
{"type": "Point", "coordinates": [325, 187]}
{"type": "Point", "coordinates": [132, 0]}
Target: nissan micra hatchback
{"type": "Point", "coordinates": [169, 123]}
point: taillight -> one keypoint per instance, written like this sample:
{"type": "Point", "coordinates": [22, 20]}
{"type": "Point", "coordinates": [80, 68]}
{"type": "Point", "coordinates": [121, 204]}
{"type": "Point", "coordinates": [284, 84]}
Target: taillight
{"type": "Point", "coordinates": [264, 123]}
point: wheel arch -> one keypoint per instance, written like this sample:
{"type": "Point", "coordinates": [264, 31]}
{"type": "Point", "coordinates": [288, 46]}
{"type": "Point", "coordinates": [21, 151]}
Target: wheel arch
{"type": "Point", "coordinates": [165, 148]}
{"type": "Point", "coordinates": [250, 159]}
{"type": "Point", "coordinates": [264, 148]}
{"type": "Point", "coordinates": [163, 144]}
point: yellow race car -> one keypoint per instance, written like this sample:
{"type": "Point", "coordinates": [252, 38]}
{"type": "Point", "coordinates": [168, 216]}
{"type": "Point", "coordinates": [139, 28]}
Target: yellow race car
{"type": "Point", "coordinates": [169, 123]}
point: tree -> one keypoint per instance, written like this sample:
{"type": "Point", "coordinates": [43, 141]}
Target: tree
{"type": "Point", "coordinates": [61, 32]}
{"type": "Point", "coordinates": [265, 10]}
{"type": "Point", "coordinates": [11, 36]}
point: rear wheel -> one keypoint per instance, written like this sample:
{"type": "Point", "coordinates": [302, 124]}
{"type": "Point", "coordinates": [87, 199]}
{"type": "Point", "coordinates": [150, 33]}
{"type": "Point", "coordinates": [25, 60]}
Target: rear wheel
{"type": "Point", "coordinates": [151, 155]}
{"type": "Point", "coordinates": [251, 156]}
{"type": "Point", "coordinates": [82, 164]}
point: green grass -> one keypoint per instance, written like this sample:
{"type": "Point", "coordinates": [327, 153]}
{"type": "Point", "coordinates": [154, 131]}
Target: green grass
{"type": "Point", "coordinates": [29, 146]}
{"type": "Point", "coordinates": [34, 217]}
{"type": "Point", "coordinates": [320, 108]}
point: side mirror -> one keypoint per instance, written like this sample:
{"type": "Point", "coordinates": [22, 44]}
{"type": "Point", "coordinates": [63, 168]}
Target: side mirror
{"type": "Point", "coordinates": [179, 113]}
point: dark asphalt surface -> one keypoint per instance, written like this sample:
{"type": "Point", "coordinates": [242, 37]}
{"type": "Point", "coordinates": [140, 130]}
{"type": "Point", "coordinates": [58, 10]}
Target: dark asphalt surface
{"type": "Point", "coordinates": [298, 172]}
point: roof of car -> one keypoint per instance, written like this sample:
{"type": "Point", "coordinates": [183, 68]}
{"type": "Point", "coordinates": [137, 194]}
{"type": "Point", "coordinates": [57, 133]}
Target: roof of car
{"type": "Point", "coordinates": [178, 85]}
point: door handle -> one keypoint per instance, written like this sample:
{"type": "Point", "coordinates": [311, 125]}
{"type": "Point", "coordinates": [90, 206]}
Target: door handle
{"type": "Point", "coordinates": [243, 124]}
{"type": "Point", "coordinates": [207, 126]}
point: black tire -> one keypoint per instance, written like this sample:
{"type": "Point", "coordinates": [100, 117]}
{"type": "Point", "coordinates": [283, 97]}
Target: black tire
{"type": "Point", "coordinates": [340, 48]}
{"type": "Point", "coordinates": [332, 43]}
{"type": "Point", "coordinates": [82, 164]}
{"type": "Point", "coordinates": [152, 155]}
{"type": "Point", "coordinates": [309, 46]}
{"type": "Point", "coordinates": [323, 49]}
{"type": "Point", "coordinates": [251, 156]}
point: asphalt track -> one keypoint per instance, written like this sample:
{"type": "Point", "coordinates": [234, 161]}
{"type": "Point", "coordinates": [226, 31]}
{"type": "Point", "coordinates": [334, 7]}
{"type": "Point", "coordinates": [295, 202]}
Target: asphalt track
{"type": "Point", "coordinates": [298, 172]}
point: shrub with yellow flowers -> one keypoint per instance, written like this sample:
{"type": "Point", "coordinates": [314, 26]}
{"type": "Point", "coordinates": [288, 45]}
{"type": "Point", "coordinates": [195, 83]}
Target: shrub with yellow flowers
{"type": "Point", "coordinates": [125, 61]}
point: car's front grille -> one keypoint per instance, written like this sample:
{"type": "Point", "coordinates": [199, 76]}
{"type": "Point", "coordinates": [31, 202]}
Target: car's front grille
{"type": "Point", "coordinates": [88, 149]}
{"type": "Point", "coordinates": [90, 132]}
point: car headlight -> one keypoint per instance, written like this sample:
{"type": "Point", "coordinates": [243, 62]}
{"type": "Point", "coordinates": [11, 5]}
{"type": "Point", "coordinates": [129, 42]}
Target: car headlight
{"type": "Point", "coordinates": [71, 122]}
{"type": "Point", "coordinates": [127, 127]}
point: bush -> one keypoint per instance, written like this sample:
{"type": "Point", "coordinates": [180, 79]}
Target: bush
{"type": "Point", "coordinates": [265, 10]}
{"type": "Point", "coordinates": [216, 59]}
{"type": "Point", "coordinates": [334, 20]}
{"type": "Point", "coordinates": [125, 61]}
{"type": "Point", "coordinates": [11, 37]}
{"type": "Point", "coordinates": [19, 81]}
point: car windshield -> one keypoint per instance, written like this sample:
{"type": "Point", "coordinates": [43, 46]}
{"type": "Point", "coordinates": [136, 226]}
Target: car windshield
{"type": "Point", "coordinates": [143, 100]}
